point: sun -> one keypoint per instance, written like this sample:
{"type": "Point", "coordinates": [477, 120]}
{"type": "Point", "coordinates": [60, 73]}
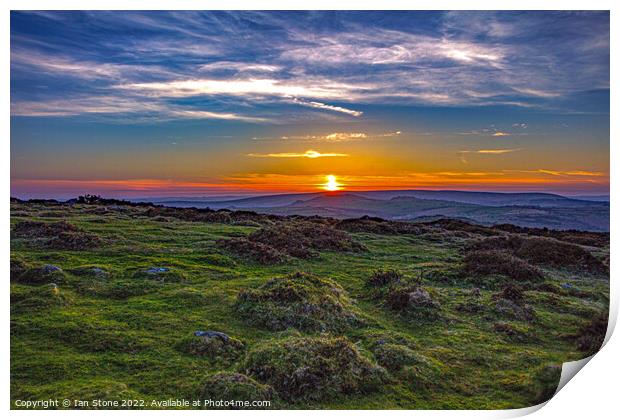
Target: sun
{"type": "Point", "coordinates": [332, 183]}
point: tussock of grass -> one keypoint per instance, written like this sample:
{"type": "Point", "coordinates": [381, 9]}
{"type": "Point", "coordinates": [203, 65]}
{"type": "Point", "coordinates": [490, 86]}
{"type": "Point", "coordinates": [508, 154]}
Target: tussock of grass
{"type": "Point", "coordinates": [499, 262]}
{"type": "Point", "coordinates": [302, 369]}
{"type": "Point", "coordinates": [591, 335]}
{"type": "Point", "coordinates": [414, 301]}
{"type": "Point", "coordinates": [41, 275]}
{"type": "Point", "coordinates": [214, 348]}
{"type": "Point", "coordinates": [299, 300]}
{"type": "Point", "coordinates": [254, 251]}
{"type": "Point", "coordinates": [544, 251]}
{"type": "Point", "coordinates": [384, 277]}
{"type": "Point", "coordinates": [227, 386]}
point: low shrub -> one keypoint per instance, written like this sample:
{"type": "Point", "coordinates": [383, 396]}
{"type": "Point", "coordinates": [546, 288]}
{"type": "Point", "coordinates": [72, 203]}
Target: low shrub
{"type": "Point", "coordinates": [382, 278]}
{"type": "Point", "coordinates": [299, 300]}
{"type": "Point", "coordinates": [546, 381]}
{"type": "Point", "coordinates": [47, 273]}
{"type": "Point", "coordinates": [500, 262]}
{"type": "Point", "coordinates": [227, 387]}
{"type": "Point", "coordinates": [214, 348]}
{"type": "Point", "coordinates": [412, 300]}
{"type": "Point", "coordinates": [303, 369]}
{"type": "Point", "coordinates": [394, 357]}
{"type": "Point", "coordinates": [543, 251]}
{"type": "Point", "coordinates": [591, 335]}
{"type": "Point", "coordinates": [258, 252]}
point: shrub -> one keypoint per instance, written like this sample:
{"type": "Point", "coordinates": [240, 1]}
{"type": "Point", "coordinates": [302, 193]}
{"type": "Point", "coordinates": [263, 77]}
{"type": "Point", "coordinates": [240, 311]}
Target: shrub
{"type": "Point", "coordinates": [75, 241]}
{"type": "Point", "coordinates": [546, 381]}
{"type": "Point", "coordinates": [381, 278]}
{"type": "Point", "coordinates": [499, 262]}
{"type": "Point", "coordinates": [512, 332]}
{"type": "Point", "coordinates": [215, 348]}
{"type": "Point", "coordinates": [302, 369]}
{"type": "Point", "coordinates": [412, 300]}
{"type": "Point", "coordinates": [226, 387]}
{"type": "Point", "coordinates": [379, 226]}
{"type": "Point", "coordinates": [394, 356]}
{"type": "Point", "coordinates": [298, 300]}
{"type": "Point", "coordinates": [305, 239]}
{"type": "Point", "coordinates": [544, 251]}
{"type": "Point", "coordinates": [591, 335]}
{"type": "Point", "coordinates": [18, 268]}
{"type": "Point", "coordinates": [261, 253]}
{"type": "Point", "coordinates": [42, 275]}
{"type": "Point", "coordinates": [512, 293]}
{"type": "Point", "coordinates": [32, 229]}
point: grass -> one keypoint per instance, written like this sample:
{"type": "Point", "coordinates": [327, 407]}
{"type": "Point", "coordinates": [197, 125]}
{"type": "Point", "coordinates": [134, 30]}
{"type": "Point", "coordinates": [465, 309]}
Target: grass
{"type": "Point", "coordinates": [129, 335]}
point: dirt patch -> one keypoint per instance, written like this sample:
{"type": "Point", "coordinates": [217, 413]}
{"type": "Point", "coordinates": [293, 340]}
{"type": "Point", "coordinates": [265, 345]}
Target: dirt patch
{"type": "Point", "coordinates": [299, 300]}
{"type": "Point", "coordinates": [502, 263]}
{"type": "Point", "coordinates": [302, 369]}
{"type": "Point", "coordinates": [228, 386]}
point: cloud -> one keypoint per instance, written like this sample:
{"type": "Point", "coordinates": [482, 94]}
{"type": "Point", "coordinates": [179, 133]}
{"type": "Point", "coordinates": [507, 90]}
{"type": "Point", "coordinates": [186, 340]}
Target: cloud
{"type": "Point", "coordinates": [500, 134]}
{"type": "Point", "coordinates": [314, 104]}
{"type": "Point", "coordinates": [311, 154]}
{"type": "Point", "coordinates": [136, 108]}
{"type": "Point", "coordinates": [491, 151]}
{"type": "Point", "coordinates": [334, 137]}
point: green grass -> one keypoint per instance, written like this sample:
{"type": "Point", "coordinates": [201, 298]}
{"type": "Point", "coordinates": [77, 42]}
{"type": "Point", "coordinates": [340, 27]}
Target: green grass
{"type": "Point", "coordinates": [118, 337]}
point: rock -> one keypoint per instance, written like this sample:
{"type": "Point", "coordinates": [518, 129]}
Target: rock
{"type": "Point", "coordinates": [157, 270]}
{"type": "Point", "coordinates": [212, 334]}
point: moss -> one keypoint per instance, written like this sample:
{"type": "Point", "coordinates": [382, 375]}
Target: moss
{"type": "Point", "coordinates": [214, 348]}
{"type": "Point", "coordinates": [18, 268]}
{"type": "Point", "coordinates": [302, 369]}
{"type": "Point", "coordinates": [33, 299]}
{"type": "Point", "coordinates": [299, 300]}
{"type": "Point", "coordinates": [223, 388]}
{"type": "Point", "coordinates": [116, 289]}
{"type": "Point", "coordinates": [513, 332]}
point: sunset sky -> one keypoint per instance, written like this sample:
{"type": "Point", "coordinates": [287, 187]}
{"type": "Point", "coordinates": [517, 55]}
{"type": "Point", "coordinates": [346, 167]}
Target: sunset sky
{"type": "Point", "coordinates": [145, 104]}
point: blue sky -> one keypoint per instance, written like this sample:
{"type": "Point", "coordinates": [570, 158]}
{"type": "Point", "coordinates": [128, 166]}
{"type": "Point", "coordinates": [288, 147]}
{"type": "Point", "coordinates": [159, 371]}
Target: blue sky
{"type": "Point", "coordinates": [209, 98]}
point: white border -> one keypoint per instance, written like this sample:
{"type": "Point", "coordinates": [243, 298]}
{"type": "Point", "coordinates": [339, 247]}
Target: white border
{"type": "Point", "coordinates": [593, 395]}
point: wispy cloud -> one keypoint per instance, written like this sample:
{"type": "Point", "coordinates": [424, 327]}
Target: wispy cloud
{"type": "Point", "coordinates": [320, 105]}
{"type": "Point", "coordinates": [491, 151]}
{"type": "Point", "coordinates": [311, 154]}
{"type": "Point", "coordinates": [334, 137]}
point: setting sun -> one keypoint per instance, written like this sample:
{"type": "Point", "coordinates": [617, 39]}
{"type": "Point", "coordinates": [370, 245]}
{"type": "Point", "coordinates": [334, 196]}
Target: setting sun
{"type": "Point", "coordinates": [332, 184]}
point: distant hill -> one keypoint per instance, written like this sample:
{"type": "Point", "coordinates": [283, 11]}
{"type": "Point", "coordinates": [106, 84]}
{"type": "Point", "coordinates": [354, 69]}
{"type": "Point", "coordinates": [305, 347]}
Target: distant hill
{"type": "Point", "coordinates": [523, 209]}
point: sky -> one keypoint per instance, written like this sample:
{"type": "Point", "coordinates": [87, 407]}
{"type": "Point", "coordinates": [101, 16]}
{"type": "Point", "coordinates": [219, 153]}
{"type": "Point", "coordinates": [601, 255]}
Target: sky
{"type": "Point", "coordinates": [152, 104]}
